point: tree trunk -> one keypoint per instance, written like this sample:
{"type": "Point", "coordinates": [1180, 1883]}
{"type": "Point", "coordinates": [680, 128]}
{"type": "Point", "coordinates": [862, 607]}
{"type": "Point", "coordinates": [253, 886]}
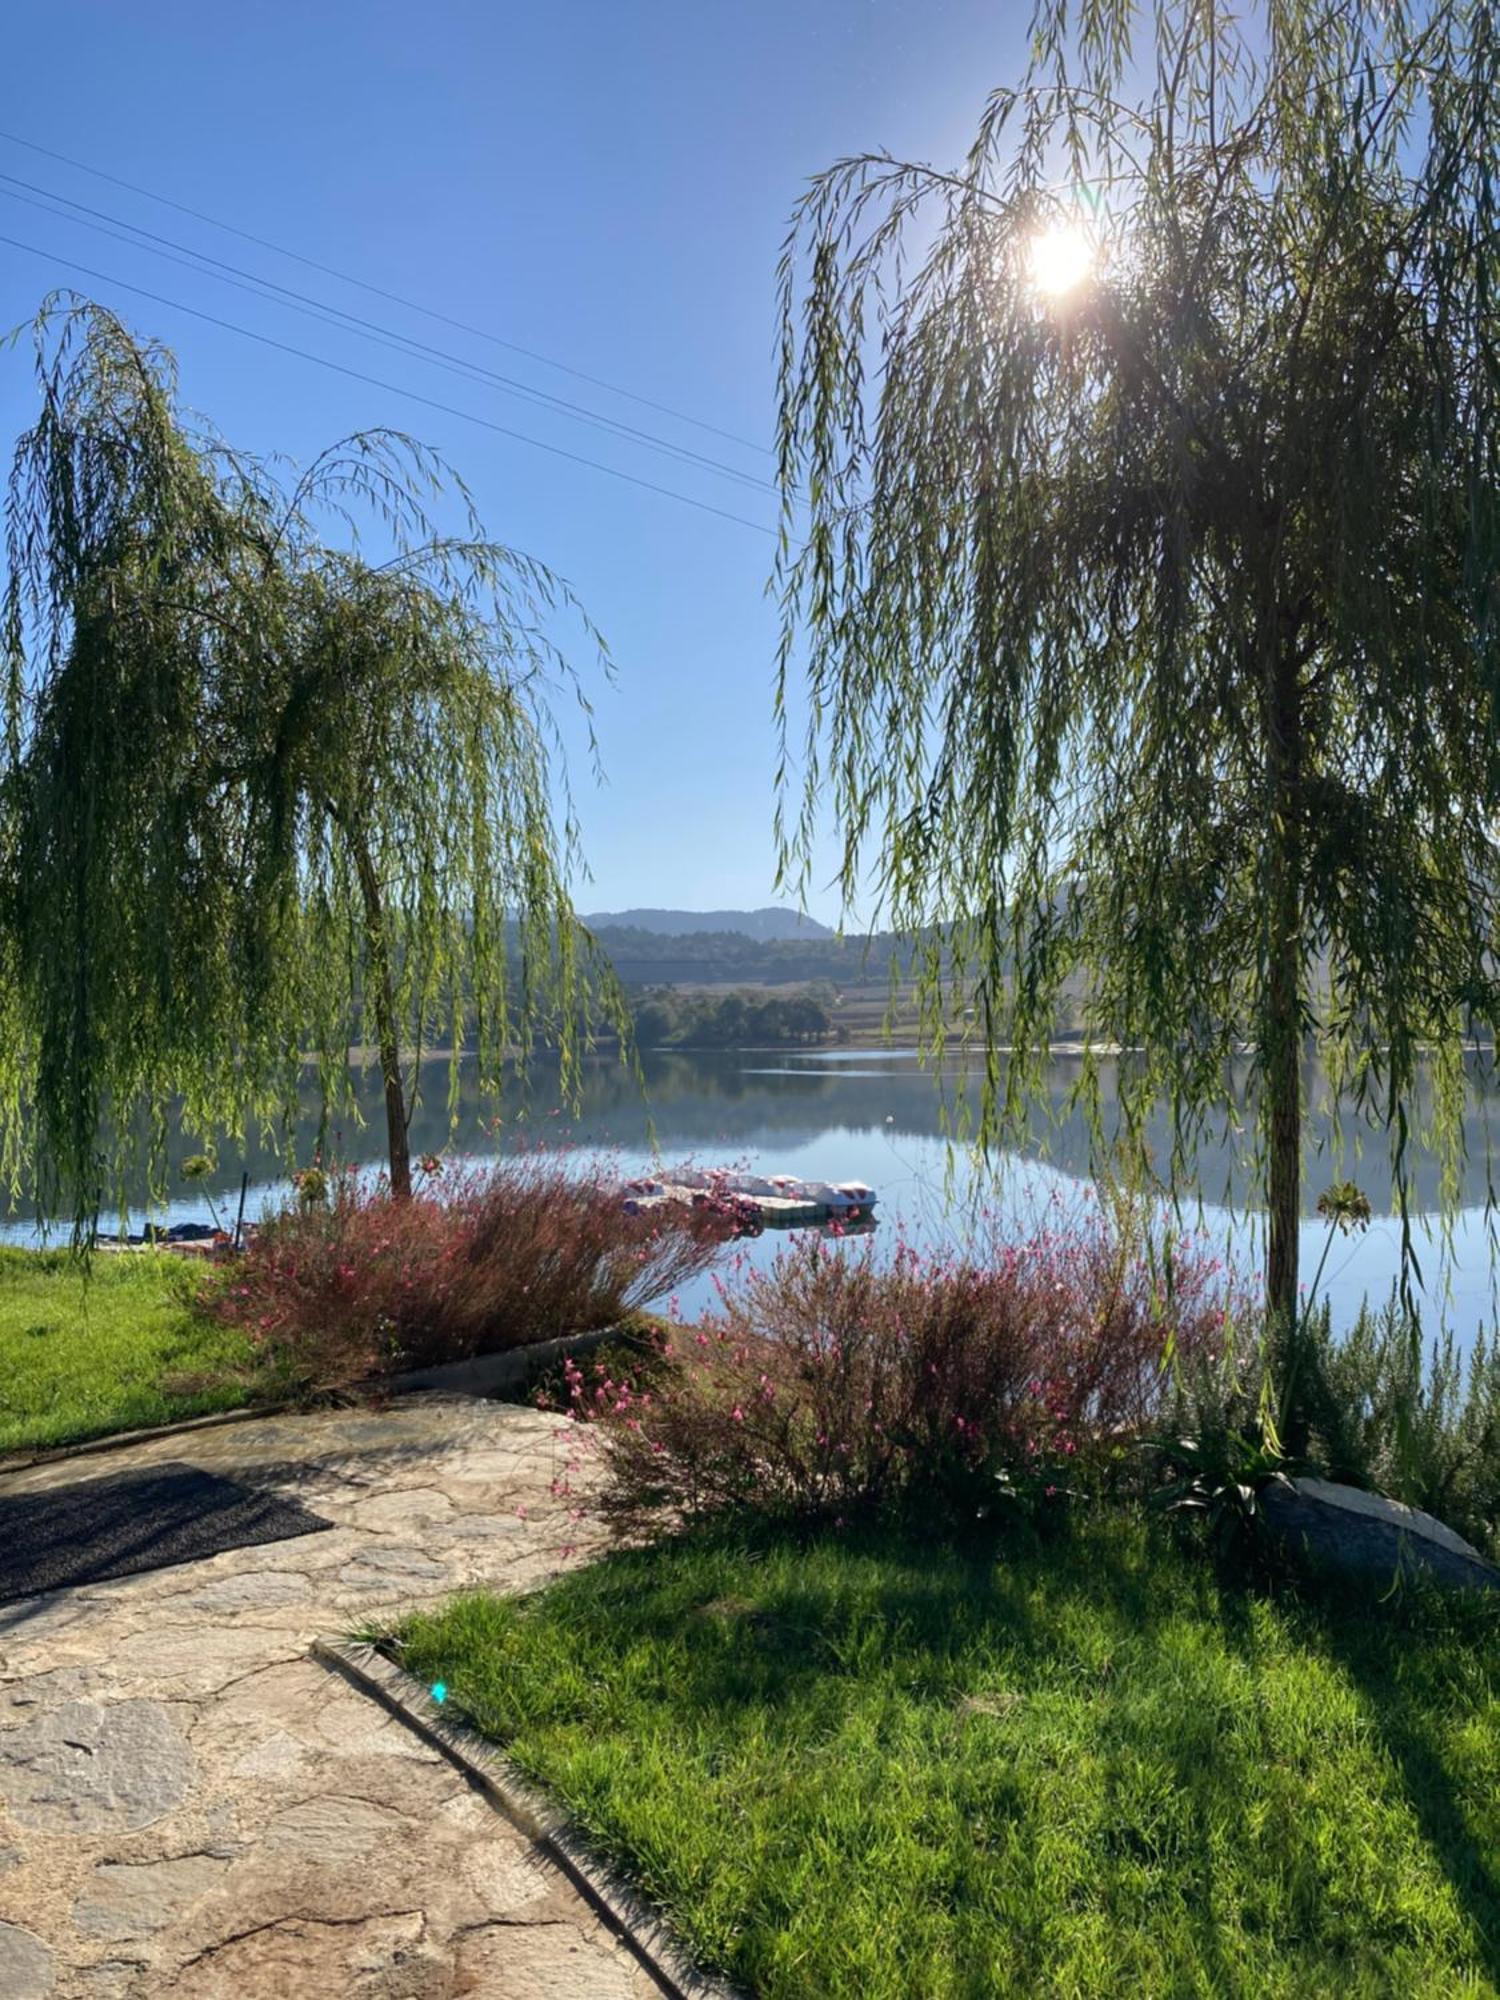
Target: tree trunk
{"type": "Point", "coordinates": [1282, 1023]}
{"type": "Point", "coordinates": [1283, 1088]}
{"type": "Point", "coordinates": [380, 998]}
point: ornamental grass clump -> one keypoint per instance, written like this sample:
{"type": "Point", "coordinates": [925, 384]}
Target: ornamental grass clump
{"type": "Point", "coordinates": [1411, 1416]}
{"type": "Point", "coordinates": [478, 1260]}
{"type": "Point", "coordinates": [839, 1382]}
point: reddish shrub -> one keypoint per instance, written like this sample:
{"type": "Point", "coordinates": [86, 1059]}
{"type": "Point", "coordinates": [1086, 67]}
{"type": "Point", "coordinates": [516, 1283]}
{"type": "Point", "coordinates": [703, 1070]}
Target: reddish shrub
{"type": "Point", "coordinates": [519, 1251]}
{"type": "Point", "coordinates": [835, 1382]}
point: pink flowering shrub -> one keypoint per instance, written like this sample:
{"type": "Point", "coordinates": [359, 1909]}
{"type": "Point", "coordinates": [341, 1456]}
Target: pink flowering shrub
{"type": "Point", "coordinates": [494, 1257]}
{"type": "Point", "coordinates": [837, 1383]}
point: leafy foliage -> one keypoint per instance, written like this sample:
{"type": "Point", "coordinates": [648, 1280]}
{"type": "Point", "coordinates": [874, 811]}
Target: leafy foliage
{"type": "Point", "coordinates": [342, 1289]}
{"type": "Point", "coordinates": [720, 958]}
{"type": "Point", "coordinates": [836, 1383]}
{"type": "Point", "coordinates": [261, 792]}
{"type": "Point", "coordinates": [1219, 1475]}
{"type": "Point", "coordinates": [1376, 1405]}
{"type": "Point", "coordinates": [1149, 628]}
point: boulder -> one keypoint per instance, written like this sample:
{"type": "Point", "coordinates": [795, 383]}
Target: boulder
{"type": "Point", "coordinates": [1365, 1535]}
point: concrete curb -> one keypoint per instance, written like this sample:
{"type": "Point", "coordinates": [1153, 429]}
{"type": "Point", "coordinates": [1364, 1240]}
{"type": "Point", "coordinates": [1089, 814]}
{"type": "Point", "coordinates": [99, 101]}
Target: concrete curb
{"type": "Point", "coordinates": [118, 1440]}
{"type": "Point", "coordinates": [626, 1913]}
{"type": "Point", "coordinates": [483, 1375]}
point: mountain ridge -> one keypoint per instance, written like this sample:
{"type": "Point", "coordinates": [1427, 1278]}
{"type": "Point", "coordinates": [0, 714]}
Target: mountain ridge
{"type": "Point", "coordinates": [772, 924]}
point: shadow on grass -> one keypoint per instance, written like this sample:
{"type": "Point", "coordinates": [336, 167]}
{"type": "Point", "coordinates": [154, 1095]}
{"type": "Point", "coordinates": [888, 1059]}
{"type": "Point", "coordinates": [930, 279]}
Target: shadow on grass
{"type": "Point", "coordinates": [776, 1621]}
{"type": "Point", "coordinates": [893, 1596]}
{"type": "Point", "coordinates": [1407, 1688]}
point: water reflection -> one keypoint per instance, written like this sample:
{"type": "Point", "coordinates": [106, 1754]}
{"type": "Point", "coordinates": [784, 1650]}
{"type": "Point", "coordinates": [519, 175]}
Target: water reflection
{"type": "Point", "coordinates": [877, 1115]}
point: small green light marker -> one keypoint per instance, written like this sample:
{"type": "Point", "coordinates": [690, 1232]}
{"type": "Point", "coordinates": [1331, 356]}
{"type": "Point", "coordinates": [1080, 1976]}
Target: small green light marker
{"type": "Point", "coordinates": [440, 1690]}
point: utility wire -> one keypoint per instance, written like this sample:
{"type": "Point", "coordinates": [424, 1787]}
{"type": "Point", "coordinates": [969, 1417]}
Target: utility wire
{"type": "Point", "coordinates": [390, 388]}
{"type": "Point", "coordinates": [114, 226]}
{"type": "Point", "coordinates": [391, 298]}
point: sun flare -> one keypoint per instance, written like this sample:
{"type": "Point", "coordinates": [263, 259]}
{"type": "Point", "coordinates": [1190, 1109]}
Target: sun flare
{"type": "Point", "coordinates": [1061, 257]}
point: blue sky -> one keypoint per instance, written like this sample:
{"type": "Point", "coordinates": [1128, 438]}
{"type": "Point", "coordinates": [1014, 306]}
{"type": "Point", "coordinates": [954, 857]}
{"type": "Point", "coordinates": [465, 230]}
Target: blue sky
{"type": "Point", "coordinates": [607, 185]}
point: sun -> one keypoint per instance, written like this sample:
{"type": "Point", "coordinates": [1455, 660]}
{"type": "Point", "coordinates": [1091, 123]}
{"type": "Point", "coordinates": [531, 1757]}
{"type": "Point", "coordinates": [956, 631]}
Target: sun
{"type": "Point", "coordinates": [1060, 258]}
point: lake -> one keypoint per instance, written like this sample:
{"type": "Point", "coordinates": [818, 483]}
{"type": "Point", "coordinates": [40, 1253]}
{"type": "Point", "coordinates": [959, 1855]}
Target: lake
{"type": "Point", "coordinates": [878, 1116]}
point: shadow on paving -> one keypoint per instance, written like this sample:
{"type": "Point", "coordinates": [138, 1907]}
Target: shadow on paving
{"type": "Point", "coordinates": [124, 1524]}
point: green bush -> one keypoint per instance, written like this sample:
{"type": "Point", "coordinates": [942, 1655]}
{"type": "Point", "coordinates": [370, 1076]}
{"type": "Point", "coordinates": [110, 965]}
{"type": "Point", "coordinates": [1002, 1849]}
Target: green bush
{"type": "Point", "coordinates": [1376, 1406]}
{"type": "Point", "coordinates": [1412, 1419]}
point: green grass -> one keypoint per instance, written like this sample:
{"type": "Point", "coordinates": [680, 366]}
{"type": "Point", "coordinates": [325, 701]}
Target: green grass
{"type": "Point", "coordinates": [82, 1355]}
{"type": "Point", "coordinates": [867, 1769]}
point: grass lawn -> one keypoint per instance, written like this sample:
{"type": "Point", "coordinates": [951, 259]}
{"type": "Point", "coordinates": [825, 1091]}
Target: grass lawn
{"type": "Point", "coordinates": [81, 1356]}
{"type": "Point", "coordinates": [865, 1769]}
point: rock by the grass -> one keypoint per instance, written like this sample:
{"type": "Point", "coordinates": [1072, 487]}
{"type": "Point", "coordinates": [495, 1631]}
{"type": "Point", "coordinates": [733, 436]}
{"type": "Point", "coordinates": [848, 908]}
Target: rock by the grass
{"type": "Point", "coordinates": [1365, 1535]}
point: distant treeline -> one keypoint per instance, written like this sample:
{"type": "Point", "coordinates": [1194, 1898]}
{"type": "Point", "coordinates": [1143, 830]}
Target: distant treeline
{"type": "Point", "coordinates": [665, 1018]}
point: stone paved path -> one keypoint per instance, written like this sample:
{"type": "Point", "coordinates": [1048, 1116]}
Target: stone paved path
{"type": "Point", "coordinates": [191, 1807]}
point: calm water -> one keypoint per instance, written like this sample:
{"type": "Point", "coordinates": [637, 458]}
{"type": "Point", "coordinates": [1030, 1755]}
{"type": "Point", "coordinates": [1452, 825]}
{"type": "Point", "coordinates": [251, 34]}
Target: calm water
{"type": "Point", "coordinates": [878, 1116]}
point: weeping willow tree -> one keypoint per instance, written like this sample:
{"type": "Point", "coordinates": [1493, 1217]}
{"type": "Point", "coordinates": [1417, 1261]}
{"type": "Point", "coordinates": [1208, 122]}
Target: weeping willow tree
{"type": "Point", "coordinates": [1147, 592]}
{"type": "Point", "coordinates": [400, 816]}
{"type": "Point", "coordinates": [264, 796]}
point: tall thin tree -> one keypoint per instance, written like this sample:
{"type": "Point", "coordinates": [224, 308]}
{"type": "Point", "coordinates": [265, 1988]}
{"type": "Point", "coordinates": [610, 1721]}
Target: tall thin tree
{"type": "Point", "coordinates": [263, 795]}
{"type": "Point", "coordinates": [1148, 604]}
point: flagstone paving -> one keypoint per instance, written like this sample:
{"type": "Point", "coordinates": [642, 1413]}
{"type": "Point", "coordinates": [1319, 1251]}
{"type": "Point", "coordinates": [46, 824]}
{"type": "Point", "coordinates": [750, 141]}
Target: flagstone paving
{"type": "Point", "coordinates": [191, 1807]}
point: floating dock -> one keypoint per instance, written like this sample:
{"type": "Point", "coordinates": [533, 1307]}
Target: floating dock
{"type": "Point", "coordinates": [784, 1203]}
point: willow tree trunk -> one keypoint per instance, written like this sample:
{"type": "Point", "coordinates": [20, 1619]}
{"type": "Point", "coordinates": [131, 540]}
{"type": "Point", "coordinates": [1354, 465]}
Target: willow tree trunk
{"type": "Point", "coordinates": [1281, 1078]}
{"type": "Point", "coordinates": [380, 999]}
{"type": "Point", "coordinates": [1283, 1113]}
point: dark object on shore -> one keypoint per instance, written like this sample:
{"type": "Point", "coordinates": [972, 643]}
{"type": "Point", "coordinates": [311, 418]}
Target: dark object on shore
{"type": "Point", "coordinates": [120, 1526]}
{"type": "Point", "coordinates": [1361, 1534]}
{"type": "Point", "coordinates": [182, 1235]}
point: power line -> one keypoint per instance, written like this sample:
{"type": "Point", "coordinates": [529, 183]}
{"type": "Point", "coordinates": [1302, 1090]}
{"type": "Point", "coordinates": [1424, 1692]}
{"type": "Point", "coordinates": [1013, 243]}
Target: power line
{"type": "Point", "coordinates": [167, 248]}
{"type": "Point", "coordinates": [391, 388]}
{"type": "Point", "coordinates": [391, 298]}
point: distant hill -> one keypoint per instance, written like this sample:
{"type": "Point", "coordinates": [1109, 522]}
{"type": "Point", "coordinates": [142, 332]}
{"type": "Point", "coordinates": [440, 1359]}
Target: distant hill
{"type": "Point", "coordinates": [768, 926]}
{"type": "Point", "coordinates": [644, 957]}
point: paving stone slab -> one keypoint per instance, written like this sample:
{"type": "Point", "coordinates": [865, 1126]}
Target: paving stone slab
{"type": "Point", "coordinates": [191, 1807]}
{"type": "Point", "coordinates": [92, 1767]}
{"type": "Point", "coordinates": [26, 1971]}
{"type": "Point", "coordinates": [132, 1899]}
